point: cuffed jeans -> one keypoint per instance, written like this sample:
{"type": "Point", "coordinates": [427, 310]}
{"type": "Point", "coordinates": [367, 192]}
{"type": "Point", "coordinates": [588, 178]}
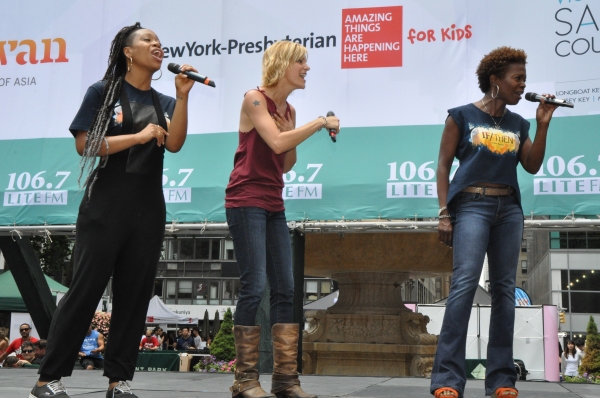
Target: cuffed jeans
{"type": "Point", "coordinates": [261, 242]}
{"type": "Point", "coordinates": [492, 224]}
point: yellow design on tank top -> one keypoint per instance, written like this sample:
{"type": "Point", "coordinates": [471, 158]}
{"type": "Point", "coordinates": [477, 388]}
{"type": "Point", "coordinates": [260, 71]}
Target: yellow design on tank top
{"type": "Point", "coordinates": [495, 140]}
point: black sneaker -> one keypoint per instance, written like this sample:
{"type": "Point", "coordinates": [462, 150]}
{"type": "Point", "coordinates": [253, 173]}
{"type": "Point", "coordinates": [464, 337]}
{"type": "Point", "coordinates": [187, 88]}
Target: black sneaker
{"type": "Point", "coordinates": [53, 389]}
{"type": "Point", "coordinates": [121, 390]}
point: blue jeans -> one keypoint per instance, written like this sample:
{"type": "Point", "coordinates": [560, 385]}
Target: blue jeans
{"type": "Point", "coordinates": [492, 224]}
{"type": "Point", "coordinates": [261, 241]}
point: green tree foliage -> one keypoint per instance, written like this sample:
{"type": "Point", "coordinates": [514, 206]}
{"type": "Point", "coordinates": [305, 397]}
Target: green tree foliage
{"type": "Point", "coordinates": [591, 360]}
{"type": "Point", "coordinates": [223, 346]}
{"type": "Point", "coordinates": [52, 253]}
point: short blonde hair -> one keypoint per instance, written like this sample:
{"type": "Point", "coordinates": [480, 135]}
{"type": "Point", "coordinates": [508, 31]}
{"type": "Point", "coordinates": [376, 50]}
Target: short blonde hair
{"type": "Point", "coordinates": [277, 58]}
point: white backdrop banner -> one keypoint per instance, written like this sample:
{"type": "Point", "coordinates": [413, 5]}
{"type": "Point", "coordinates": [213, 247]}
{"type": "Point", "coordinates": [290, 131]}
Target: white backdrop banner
{"type": "Point", "coordinates": [389, 69]}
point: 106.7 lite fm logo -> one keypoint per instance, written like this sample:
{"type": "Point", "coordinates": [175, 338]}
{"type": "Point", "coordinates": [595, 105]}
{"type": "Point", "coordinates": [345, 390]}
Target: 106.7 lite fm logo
{"type": "Point", "coordinates": [27, 189]}
{"type": "Point", "coordinates": [413, 180]}
{"type": "Point", "coordinates": [301, 186]}
{"type": "Point", "coordinates": [173, 187]}
{"type": "Point", "coordinates": [44, 188]}
{"type": "Point", "coordinates": [558, 176]}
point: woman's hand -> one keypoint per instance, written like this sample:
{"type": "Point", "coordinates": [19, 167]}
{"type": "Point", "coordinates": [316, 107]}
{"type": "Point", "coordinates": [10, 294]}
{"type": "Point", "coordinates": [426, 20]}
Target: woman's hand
{"type": "Point", "coordinates": [445, 232]}
{"type": "Point", "coordinates": [283, 124]}
{"type": "Point", "coordinates": [183, 84]}
{"type": "Point", "coordinates": [544, 110]}
{"type": "Point", "coordinates": [152, 131]}
{"type": "Point", "coordinates": [332, 123]}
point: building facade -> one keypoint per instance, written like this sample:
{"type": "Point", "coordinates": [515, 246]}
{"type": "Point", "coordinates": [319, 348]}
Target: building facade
{"type": "Point", "coordinates": [199, 273]}
{"type": "Point", "coordinates": [566, 273]}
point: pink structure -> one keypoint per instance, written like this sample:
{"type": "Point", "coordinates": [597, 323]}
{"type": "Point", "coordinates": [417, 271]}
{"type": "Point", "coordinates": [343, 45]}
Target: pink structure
{"type": "Point", "coordinates": [551, 343]}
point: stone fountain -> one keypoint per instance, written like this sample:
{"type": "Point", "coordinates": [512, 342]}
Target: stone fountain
{"type": "Point", "coordinates": [369, 331]}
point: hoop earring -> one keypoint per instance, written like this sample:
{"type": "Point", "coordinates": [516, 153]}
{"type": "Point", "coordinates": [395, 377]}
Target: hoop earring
{"type": "Point", "coordinates": [159, 76]}
{"type": "Point", "coordinates": [129, 65]}
{"type": "Point", "coordinates": [497, 92]}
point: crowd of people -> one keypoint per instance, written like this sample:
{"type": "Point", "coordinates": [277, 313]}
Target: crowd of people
{"type": "Point", "coordinates": [25, 351]}
{"type": "Point", "coordinates": [28, 351]}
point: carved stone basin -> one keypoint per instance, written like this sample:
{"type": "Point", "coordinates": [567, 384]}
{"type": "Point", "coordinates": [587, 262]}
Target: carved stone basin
{"type": "Point", "coordinates": [369, 331]}
{"type": "Point", "coordinates": [417, 254]}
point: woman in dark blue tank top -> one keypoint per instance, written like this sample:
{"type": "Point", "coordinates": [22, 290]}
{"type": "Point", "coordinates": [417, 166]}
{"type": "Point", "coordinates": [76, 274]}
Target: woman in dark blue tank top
{"type": "Point", "coordinates": [480, 213]}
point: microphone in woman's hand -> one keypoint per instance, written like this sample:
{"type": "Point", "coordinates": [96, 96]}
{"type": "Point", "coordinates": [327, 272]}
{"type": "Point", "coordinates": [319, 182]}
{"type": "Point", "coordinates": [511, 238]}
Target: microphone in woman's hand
{"type": "Point", "coordinates": [332, 132]}
{"type": "Point", "coordinates": [175, 68]}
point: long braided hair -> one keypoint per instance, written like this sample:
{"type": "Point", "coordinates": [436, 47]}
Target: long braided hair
{"type": "Point", "coordinates": [117, 68]}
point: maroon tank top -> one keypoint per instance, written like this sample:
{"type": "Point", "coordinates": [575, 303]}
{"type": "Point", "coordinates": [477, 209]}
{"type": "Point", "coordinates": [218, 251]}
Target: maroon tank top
{"type": "Point", "coordinates": [257, 176]}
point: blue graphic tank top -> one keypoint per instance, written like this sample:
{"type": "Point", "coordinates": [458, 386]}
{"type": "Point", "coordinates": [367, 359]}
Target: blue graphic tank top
{"type": "Point", "coordinates": [487, 153]}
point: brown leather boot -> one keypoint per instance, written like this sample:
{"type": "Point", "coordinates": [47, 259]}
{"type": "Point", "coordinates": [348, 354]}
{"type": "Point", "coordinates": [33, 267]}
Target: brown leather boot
{"type": "Point", "coordinates": [285, 383]}
{"type": "Point", "coordinates": [246, 383]}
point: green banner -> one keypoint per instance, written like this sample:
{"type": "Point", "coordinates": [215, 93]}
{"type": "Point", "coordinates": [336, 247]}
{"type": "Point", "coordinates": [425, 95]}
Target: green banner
{"type": "Point", "coordinates": [371, 172]}
{"type": "Point", "coordinates": [159, 361]}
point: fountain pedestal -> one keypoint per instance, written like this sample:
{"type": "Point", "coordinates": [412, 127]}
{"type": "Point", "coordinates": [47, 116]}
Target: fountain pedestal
{"type": "Point", "coordinates": [369, 331]}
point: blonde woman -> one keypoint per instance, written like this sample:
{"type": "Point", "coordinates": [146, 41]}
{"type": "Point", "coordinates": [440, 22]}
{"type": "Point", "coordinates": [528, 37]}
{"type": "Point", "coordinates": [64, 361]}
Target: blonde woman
{"type": "Point", "coordinates": [268, 138]}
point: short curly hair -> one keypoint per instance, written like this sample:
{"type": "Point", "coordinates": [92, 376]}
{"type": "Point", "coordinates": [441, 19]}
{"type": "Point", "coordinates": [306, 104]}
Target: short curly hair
{"type": "Point", "coordinates": [496, 62]}
{"type": "Point", "coordinates": [278, 58]}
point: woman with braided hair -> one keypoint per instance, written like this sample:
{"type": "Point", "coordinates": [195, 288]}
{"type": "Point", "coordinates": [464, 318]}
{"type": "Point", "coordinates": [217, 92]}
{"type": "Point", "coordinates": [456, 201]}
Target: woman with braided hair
{"type": "Point", "coordinates": [121, 220]}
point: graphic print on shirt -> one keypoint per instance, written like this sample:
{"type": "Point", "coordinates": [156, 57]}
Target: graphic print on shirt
{"type": "Point", "coordinates": [497, 141]}
{"type": "Point", "coordinates": [118, 114]}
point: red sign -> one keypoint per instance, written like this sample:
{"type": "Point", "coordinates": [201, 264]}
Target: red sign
{"type": "Point", "coordinates": [372, 37]}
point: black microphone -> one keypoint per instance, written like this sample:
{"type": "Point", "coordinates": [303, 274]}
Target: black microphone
{"type": "Point", "coordinates": [533, 97]}
{"type": "Point", "coordinates": [332, 132]}
{"type": "Point", "coordinates": [175, 68]}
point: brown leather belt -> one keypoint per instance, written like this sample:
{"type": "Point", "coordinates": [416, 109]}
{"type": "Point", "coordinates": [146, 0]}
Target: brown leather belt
{"type": "Point", "coordinates": [490, 191]}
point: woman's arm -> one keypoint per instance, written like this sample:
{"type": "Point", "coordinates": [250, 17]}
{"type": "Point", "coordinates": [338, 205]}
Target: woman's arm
{"type": "Point", "coordinates": [532, 153]}
{"type": "Point", "coordinates": [121, 142]}
{"type": "Point", "coordinates": [255, 114]}
{"type": "Point", "coordinates": [178, 127]}
{"type": "Point", "coordinates": [448, 145]}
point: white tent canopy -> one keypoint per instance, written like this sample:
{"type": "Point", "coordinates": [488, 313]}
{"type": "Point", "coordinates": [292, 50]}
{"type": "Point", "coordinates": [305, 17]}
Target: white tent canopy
{"type": "Point", "coordinates": [324, 302]}
{"type": "Point", "coordinates": [159, 313]}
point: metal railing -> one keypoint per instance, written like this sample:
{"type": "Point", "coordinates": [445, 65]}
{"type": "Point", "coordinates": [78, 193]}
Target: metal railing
{"type": "Point", "coordinates": [569, 223]}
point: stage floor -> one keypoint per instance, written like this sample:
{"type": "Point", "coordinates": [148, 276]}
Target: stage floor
{"type": "Point", "coordinates": [16, 383]}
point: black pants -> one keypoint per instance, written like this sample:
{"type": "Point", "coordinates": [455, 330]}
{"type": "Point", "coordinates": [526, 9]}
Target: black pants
{"type": "Point", "coordinates": [119, 232]}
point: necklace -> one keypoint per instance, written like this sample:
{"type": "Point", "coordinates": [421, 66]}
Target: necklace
{"type": "Point", "coordinates": [493, 120]}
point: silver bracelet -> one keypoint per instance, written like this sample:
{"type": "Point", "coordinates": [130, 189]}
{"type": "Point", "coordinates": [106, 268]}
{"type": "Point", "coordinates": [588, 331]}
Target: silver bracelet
{"type": "Point", "coordinates": [324, 122]}
{"type": "Point", "coordinates": [441, 210]}
{"type": "Point", "coordinates": [444, 216]}
{"type": "Point", "coordinates": [106, 142]}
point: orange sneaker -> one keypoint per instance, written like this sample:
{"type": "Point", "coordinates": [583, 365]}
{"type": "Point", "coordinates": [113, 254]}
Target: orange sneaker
{"type": "Point", "coordinates": [446, 392]}
{"type": "Point", "coordinates": [505, 393]}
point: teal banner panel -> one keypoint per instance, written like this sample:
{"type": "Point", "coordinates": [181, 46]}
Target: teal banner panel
{"type": "Point", "coordinates": [371, 172]}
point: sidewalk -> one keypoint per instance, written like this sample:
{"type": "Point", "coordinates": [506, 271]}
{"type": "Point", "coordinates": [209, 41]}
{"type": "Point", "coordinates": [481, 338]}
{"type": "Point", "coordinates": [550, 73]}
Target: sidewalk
{"type": "Point", "coordinates": [16, 383]}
